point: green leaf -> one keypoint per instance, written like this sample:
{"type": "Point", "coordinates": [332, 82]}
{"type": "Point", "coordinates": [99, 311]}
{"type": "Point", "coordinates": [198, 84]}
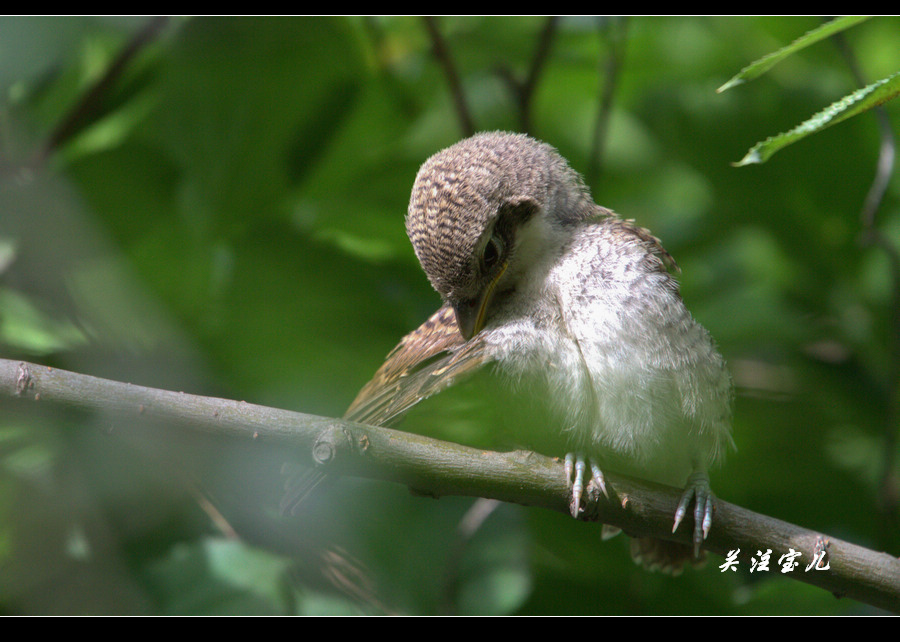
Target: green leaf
{"type": "Point", "coordinates": [27, 327]}
{"type": "Point", "coordinates": [213, 577]}
{"type": "Point", "coordinates": [761, 66]}
{"type": "Point", "coordinates": [248, 569]}
{"type": "Point", "coordinates": [859, 101]}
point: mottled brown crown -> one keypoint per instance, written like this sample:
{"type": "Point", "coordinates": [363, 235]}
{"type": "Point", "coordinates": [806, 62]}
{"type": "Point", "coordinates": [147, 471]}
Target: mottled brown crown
{"type": "Point", "coordinates": [459, 192]}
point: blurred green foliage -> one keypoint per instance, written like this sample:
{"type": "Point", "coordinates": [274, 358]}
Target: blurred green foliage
{"type": "Point", "coordinates": [226, 217]}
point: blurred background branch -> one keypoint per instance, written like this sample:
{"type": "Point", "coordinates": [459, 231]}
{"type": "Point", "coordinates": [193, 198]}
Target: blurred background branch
{"type": "Point", "coordinates": [444, 58]}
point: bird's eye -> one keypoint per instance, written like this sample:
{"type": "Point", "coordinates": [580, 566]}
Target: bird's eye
{"type": "Point", "coordinates": [492, 251]}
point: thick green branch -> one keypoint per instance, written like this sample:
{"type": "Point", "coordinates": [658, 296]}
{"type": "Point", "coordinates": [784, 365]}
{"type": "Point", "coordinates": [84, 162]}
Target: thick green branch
{"type": "Point", "coordinates": [439, 468]}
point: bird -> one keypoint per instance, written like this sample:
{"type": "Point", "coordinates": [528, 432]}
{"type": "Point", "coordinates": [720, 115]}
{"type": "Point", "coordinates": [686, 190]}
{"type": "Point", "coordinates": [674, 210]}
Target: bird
{"type": "Point", "coordinates": [542, 283]}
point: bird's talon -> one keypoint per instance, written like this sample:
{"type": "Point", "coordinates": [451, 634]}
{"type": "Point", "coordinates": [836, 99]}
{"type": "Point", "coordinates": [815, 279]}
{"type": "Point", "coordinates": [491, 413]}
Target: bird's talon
{"type": "Point", "coordinates": [697, 490]}
{"type": "Point", "coordinates": [575, 465]}
{"type": "Point", "coordinates": [597, 477]}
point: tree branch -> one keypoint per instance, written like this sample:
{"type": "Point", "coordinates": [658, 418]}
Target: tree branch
{"type": "Point", "coordinates": [438, 468]}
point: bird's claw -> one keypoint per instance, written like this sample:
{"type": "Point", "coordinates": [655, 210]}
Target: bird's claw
{"type": "Point", "coordinates": [575, 467]}
{"type": "Point", "coordinates": [697, 490]}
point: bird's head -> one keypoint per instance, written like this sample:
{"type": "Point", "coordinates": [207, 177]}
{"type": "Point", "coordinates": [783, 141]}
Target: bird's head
{"type": "Point", "coordinates": [483, 210]}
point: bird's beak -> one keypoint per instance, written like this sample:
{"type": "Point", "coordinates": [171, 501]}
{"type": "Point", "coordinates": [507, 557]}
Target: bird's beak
{"type": "Point", "coordinates": [472, 313]}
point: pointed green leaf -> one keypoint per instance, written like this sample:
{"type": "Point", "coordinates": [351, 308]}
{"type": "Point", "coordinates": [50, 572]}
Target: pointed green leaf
{"type": "Point", "coordinates": [765, 63]}
{"type": "Point", "coordinates": [859, 101]}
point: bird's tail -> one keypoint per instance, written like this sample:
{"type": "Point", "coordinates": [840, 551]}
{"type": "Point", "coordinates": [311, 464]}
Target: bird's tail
{"type": "Point", "coordinates": [664, 556]}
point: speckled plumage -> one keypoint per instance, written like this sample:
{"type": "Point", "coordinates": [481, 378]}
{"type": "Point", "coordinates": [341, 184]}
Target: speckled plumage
{"type": "Point", "coordinates": [550, 286]}
{"type": "Point", "coordinates": [478, 176]}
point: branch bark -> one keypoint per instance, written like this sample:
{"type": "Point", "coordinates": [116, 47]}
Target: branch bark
{"type": "Point", "coordinates": [439, 468]}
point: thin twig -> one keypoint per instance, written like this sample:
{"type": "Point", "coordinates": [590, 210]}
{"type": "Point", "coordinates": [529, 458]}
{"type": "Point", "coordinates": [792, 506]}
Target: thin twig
{"type": "Point", "coordinates": [610, 67]}
{"type": "Point", "coordinates": [524, 91]}
{"type": "Point", "coordinates": [437, 468]}
{"type": "Point", "coordinates": [442, 53]}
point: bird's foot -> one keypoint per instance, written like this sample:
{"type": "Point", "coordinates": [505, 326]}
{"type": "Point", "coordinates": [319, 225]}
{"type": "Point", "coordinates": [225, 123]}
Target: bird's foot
{"type": "Point", "coordinates": [575, 467]}
{"type": "Point", "coordinates": [697, 490]}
